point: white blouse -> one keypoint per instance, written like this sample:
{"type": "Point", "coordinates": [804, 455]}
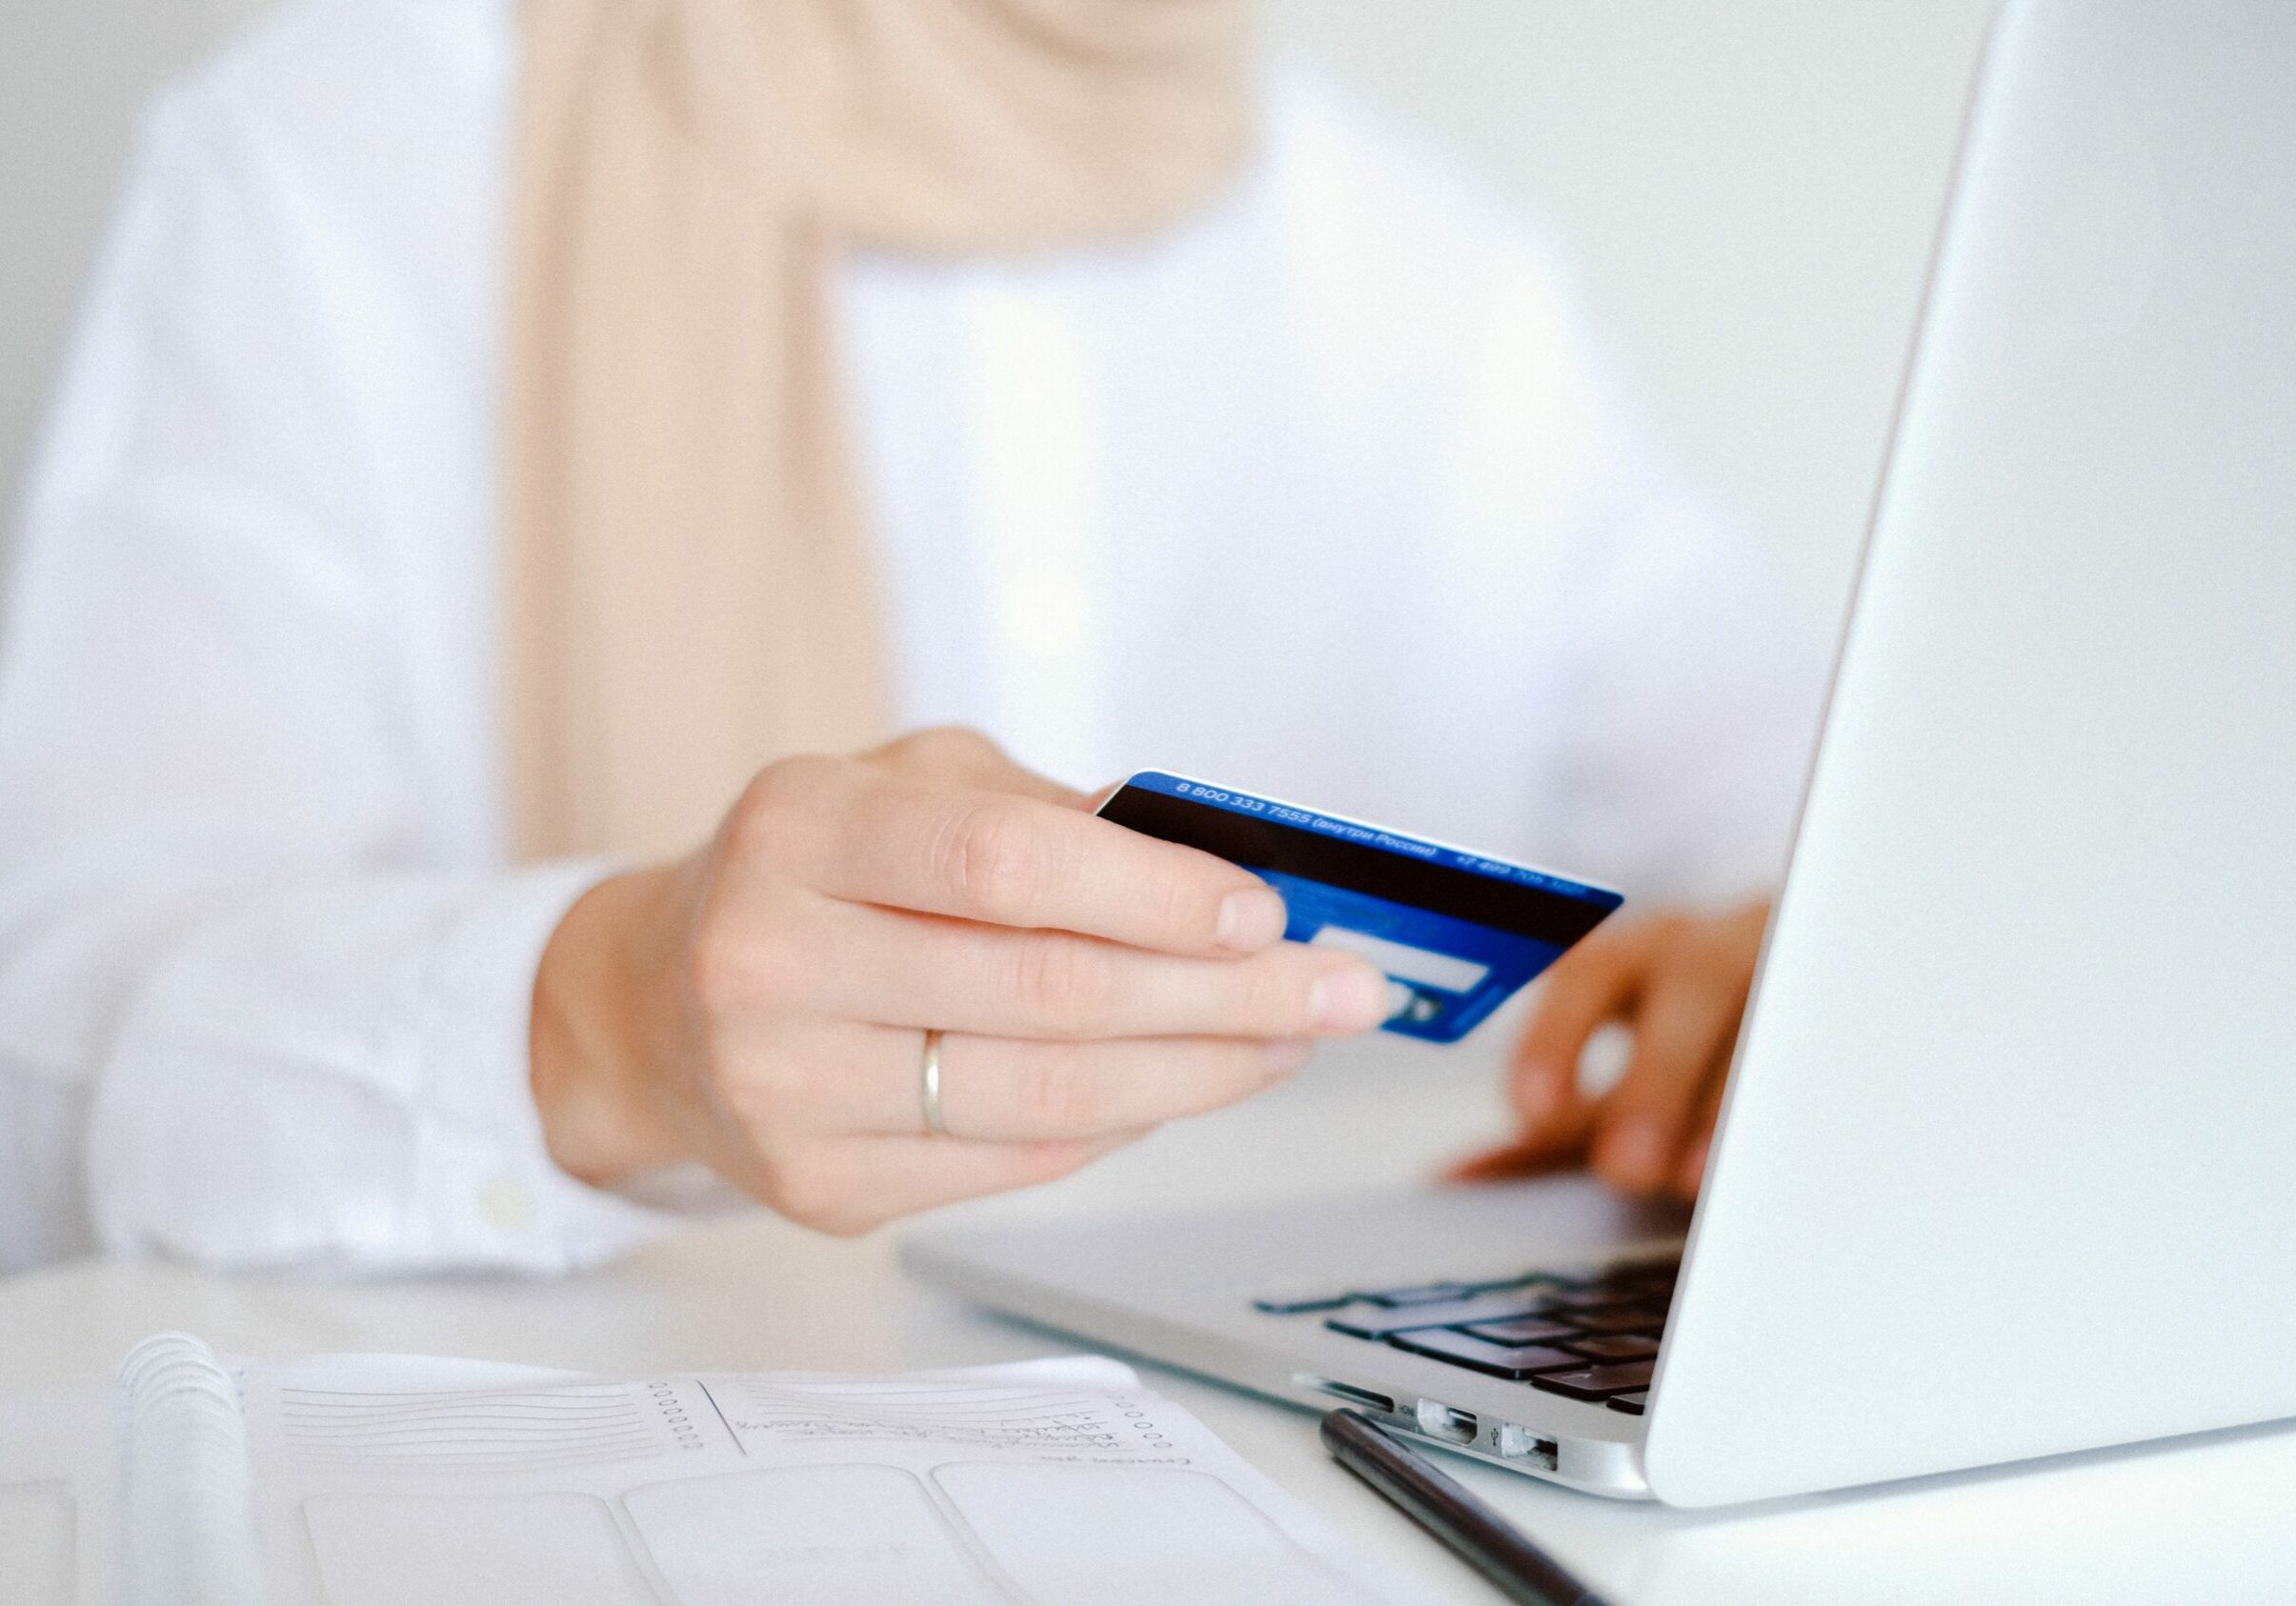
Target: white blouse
{"type": "Point", "coordinates": [1321, 493]}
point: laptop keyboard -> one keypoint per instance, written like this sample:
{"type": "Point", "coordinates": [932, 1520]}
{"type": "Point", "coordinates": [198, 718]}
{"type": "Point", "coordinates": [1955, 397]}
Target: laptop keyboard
{"type": "Point", "coordinates": [1593, 1338]}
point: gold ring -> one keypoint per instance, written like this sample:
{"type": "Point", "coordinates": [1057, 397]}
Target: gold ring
{"type": "Point", "coordinates": [929, 1087]}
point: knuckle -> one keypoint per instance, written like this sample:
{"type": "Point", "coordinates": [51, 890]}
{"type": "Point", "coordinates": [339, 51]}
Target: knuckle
{"type": "Point", "coordinates": [761, 824]}
{"type": "Point", "coordinates": [1067, 983]}
{"type": "Point", "coordinates": [735, 964]}
{"type": "Point", "coordinates": [989, 858]}
{"type": "Point", "coordinates": [718, 972]}
{"type": "Point", "coordinates": [959, 743]}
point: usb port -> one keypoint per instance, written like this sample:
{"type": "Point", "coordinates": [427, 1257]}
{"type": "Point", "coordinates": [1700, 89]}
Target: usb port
{"type": "Point", "coordinates": [1446, 1422]}
{"type": "Point", "coordinates": [1520, 1444]}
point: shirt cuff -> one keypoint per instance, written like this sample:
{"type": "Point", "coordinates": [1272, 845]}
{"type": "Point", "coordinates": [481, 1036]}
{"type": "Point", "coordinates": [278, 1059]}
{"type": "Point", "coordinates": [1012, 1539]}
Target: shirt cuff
{"type": "Point", "coordinates": [487, 1181]}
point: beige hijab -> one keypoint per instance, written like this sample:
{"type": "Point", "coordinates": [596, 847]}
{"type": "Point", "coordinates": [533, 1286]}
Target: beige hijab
{"type": "Point", "coordinates": [689, 576]}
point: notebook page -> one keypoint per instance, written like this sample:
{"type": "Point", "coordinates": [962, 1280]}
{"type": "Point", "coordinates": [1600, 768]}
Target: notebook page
{"type": "Point", "coordinates": [56, 1477]}
{"type": "Point", "coordinates": [388, 1481]}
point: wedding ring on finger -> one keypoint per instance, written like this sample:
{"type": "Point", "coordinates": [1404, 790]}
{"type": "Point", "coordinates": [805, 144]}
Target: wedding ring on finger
{"type": "Point", "coordinates": [929, 1087]}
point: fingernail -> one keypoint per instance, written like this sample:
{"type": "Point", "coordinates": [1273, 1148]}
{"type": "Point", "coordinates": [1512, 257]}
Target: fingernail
{"type": "Point", "coordinates": [1284, 1057]}
{"type": "Point", "coordinates": [1637, 1151]}
{"type": "Point", "coordinates": [1250, 919]}
{"type": "Point", "coordinates": [1348, 999]}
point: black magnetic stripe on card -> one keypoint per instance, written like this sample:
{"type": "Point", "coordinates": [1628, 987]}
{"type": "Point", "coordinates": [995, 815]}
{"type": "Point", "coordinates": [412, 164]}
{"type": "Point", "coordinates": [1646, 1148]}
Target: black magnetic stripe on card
{"type": "Point", "coordinates": [1260, 844]}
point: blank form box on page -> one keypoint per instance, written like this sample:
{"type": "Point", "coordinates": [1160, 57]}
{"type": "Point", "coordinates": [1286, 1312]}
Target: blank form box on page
{"type": "Point", "coordinates": [472, 1550]}
{"type": "Point", "coordinates": [819, 1536]}
{"type": "Point", "coordinates": [1117, 1535]}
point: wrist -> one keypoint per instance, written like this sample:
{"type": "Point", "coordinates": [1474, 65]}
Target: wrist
{"type": "Point", "coordinates": [601, 1036]}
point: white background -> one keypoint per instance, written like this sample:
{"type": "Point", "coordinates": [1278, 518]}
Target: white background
{"type": "Point", "coordinates": [1751, 187]}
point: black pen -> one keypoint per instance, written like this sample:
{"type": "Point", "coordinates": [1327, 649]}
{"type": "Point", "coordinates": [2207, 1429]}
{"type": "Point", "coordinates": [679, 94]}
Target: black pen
{"type": "Point", "coordinates": [1431, 1498]}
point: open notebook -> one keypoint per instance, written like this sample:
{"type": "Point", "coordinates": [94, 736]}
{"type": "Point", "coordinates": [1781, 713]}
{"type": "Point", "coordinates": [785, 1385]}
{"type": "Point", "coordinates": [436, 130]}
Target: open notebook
{"type": "Point", "coordinates": [368, 1481]}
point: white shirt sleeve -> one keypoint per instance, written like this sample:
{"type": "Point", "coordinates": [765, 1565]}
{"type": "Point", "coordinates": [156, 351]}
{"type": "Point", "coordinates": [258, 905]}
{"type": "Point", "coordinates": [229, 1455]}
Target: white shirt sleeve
{"type": "Point", "coordinates": [257, 1011]}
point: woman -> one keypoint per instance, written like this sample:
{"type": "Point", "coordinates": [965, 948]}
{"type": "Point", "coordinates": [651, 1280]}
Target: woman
{"type": "Point", "coordinates": [505, 452]}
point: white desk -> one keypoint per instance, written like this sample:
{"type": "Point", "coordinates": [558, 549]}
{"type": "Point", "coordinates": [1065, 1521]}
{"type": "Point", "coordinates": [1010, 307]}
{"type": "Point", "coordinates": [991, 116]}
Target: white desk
{"type": "Point", "coordinates": [2211, 1520]}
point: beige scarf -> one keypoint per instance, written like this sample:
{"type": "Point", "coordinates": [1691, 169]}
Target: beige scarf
{"type": "Point", "coordinates": [689, 579]}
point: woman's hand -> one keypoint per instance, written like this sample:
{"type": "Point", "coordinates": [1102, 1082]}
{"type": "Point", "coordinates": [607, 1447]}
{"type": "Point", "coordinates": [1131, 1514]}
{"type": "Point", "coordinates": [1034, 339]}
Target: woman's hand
{"type": "Point", "coordinates": [1679, 983]}
{"type": "Point", "coordinates": [762, 1005]}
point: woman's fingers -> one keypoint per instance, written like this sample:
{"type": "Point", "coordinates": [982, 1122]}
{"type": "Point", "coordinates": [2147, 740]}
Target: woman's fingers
{"type": "Point", "coordinates": [1594, 984]}
{"type": "Point", "coordinates": [1007, 1089]}
{"type": "Point", "coordinates": [864, 834]}
{"type": "Point", "coordinates": [1685, 1028]}
{"type": "Point", "coordinates": [852, 1184]}
{"type": "Point", "coordinates": [889, 968]}
{"type": "Point", "coordinates": [847, 905]}
{"type": "Point", "coordinates": [1679, 985]}
{"type": "Point", "coordinates": [1679, 1037]}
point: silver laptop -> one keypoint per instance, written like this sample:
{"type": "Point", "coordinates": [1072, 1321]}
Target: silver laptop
{"type": "Point", "coordinates": [2008, 1163]}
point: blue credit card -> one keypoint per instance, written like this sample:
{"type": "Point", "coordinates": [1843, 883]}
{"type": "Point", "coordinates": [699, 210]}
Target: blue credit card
{"type": "Point", "coordinates": [1457, 934]}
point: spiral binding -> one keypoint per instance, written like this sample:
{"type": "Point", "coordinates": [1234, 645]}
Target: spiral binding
{"type": "Point", "coordinates": [190, 1506]}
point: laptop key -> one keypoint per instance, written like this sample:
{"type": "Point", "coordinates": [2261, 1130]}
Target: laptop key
{"type": "Point", "coordinates": [1545, 1282]}
{"type": "Point", "coordinates": [1614, 1319]}
{"type": "Point", "coordinates": [1640, 1295]}
{"type": "Point", "coordinates": [1492, 1285]}
{"type": "Point", "coordinates": [1423, 1293]}
{"type": "Point", "coordinates": [1576, 1278]}
{"type": "Point", "coordinates": [1599, 1382]}
{"type": "Point", "coordinates": [1500, 1361]}
{"type": "Point", "coordinates": [1642, 1271]}
{"type": "Point", "coordinates": [1613, 1346]}
{"type": "Point", "coordinates": [1300, 1305]}
{"type": "Point", "coordinates": [1525, 1329]}
{"type": "Point", "coordinates": [1631, 1287]}
{"type": "Point", "coordinates": [1631, 1403]}
{"type": "Point", "coordinates": [1377, 1323]}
